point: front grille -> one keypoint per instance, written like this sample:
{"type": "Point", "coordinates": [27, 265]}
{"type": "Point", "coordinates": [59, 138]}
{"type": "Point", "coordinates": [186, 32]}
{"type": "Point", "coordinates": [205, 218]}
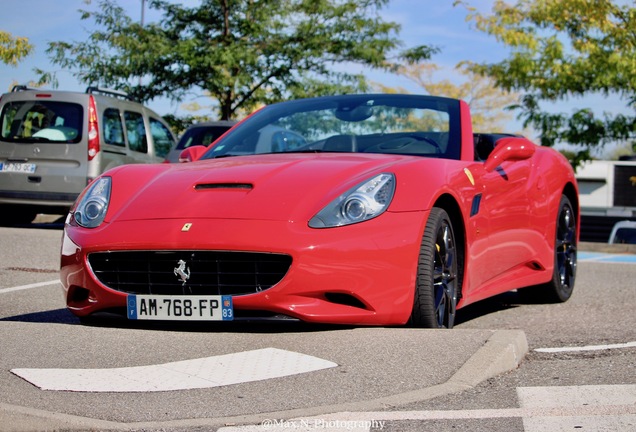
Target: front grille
{"type": "Point", "coordinates": [208, 272]}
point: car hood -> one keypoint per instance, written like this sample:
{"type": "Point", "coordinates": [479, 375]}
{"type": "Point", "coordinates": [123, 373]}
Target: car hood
{"type": "Point", "coordinates": [268, 187]}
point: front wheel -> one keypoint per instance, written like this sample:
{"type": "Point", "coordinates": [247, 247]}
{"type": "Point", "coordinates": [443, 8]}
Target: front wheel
{"type": "Point", "coordinates": [437, 282]}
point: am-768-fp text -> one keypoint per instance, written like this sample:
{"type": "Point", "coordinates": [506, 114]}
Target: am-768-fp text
{"type": "Point", "coordinates": [195, 308]}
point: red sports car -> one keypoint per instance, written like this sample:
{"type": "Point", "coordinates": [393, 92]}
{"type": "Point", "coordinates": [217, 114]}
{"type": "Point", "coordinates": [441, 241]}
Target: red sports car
{"type": "Point", "coordinates": [356, 209]}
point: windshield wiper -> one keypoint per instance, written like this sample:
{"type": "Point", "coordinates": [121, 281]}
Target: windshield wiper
{"type": "Point", "coordinates": [222, 156]}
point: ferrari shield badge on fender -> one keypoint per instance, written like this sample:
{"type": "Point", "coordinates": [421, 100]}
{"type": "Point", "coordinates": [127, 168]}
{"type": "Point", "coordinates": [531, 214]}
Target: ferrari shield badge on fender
{"type": "Point", "coordinates": [186, 227]}
{"type": "Point", "coordinates": [182, 271]}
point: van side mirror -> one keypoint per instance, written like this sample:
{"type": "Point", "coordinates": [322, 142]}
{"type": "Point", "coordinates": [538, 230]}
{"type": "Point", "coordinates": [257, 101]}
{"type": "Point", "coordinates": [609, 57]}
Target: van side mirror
{"type": "Point", "coordinates": [509, 149]}
{"type": "Point", "coordinates": [192, 153]}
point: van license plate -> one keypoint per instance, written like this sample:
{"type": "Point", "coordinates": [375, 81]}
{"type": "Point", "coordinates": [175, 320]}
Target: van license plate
{"type": "Point", "coordinates": [180, 308]}
{"type": "Point", "coordinates": [17, 167]}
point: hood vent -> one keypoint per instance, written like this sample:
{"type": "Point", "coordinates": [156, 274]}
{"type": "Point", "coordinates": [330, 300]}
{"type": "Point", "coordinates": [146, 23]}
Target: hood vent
{"type": "Point", "coordinates": [243, 186]}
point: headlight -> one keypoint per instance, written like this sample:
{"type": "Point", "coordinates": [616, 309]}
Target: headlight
{"type": "Point", "coordinates": [360, 203]}
{"type": "Point", "coordinates": [91, 209]}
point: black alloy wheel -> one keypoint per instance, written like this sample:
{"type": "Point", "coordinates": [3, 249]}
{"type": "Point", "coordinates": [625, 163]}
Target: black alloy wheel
{"type": "Point", "coordinates": [565, 251]}
{"type": "Point", "coordinates": [559, 289]}
{"type": "Point", "coordinates": [437, 276]}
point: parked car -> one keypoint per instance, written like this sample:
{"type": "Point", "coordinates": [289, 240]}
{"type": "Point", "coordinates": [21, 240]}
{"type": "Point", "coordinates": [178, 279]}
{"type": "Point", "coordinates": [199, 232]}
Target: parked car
{"type": "Point", "coordinates": [204, 133]}
{"type": "Point", "coordinates": [270, 139]}
{"type": "Point", "coordinates": [623, 232]}
{"type": "Point", "coordinates": [53, 143]}
{"type": "Point", "coordinates": [369, 210]}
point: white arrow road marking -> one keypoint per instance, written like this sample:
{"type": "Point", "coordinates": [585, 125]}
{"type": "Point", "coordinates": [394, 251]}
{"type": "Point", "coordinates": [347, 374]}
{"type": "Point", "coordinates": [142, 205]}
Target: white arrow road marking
{"type": "Point", "coordinates": [207, 372]}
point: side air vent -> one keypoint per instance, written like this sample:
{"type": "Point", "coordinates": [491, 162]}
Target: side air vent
{"type": "Point", "coordinates": [534, 265]}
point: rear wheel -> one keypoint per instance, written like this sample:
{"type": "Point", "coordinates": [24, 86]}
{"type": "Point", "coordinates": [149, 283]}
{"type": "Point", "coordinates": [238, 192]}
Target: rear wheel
{"type": "Point", "coordinates": [437, 278]}
{"type": "Point", "coordinates": [560, 287]}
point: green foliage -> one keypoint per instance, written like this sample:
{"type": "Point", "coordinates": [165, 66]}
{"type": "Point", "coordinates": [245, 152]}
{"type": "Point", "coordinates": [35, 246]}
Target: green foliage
{"type": "Point", "coordinates": [243, 53]}
{"type": "Point", "coordinates": [560, 49]}
{"type": "Point", "coordinates": [488, 103]}
{"type": "Point", "coordinates": [13, 49]}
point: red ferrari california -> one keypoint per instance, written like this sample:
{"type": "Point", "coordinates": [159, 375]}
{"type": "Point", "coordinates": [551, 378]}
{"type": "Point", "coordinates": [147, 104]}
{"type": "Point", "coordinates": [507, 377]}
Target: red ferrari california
{"type": "Point", "coordinates": [357, 209]}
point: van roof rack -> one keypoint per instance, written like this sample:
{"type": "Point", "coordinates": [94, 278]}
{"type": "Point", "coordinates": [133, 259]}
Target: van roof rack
{"type": "Point", "coordinates": [111, 92]}
{"type": "Point", "coordinates": [90, 89]}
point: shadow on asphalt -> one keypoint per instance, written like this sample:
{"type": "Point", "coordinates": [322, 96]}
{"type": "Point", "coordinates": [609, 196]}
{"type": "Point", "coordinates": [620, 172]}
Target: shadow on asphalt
{"type": "Point", "coordinates": [110, 320]}
{"type": "Point", "coordinates": [488, 306]}
{"type": "Point", "coordinates": [56, 316]}
{"type": "Point", "coordinates": [52, 222]}
{"type": "Point", "coordinates": [117, 320]}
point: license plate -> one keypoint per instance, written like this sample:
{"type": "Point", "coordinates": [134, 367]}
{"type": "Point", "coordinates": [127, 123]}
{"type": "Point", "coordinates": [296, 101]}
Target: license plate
{"type": "Point", "coordinates": [180, 308]}
{"type": "Point", "coordinates": [17, 167]}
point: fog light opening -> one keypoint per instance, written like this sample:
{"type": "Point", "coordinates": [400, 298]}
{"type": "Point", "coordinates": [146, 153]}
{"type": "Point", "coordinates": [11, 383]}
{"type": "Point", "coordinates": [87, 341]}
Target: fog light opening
{"type": "Point", "coordinates": [345, 299]}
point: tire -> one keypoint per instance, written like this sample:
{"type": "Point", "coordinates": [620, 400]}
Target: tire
{"type": "Point", "coordinates": [436, 289]}
{"type": "Point", "coordinates": [559, 289]}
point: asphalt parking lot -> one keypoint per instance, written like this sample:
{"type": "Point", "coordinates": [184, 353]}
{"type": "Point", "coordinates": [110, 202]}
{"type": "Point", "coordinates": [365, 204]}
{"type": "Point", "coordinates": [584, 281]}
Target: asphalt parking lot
{"type": "Point", "coordinates": [46, 352]}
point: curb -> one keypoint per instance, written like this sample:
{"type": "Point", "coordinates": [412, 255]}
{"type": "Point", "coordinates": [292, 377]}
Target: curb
{"type": "Point", "coordinates": [503, 351]}
{"type": "Point", "coordinates": [617, 248]}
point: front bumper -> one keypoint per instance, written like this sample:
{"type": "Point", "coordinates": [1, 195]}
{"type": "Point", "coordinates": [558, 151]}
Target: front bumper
{"type": "Point", "coordinates": [357, 274]}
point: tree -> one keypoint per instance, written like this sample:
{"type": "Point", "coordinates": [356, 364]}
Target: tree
{"type": "Point", "coordinates": [562, 49]}
{"type": "Point", "coordinates": [242, 52]}
{"type": "Point", "coordinates": [487, 103]}
{"type": "Point", "coordinates": [13, 49]}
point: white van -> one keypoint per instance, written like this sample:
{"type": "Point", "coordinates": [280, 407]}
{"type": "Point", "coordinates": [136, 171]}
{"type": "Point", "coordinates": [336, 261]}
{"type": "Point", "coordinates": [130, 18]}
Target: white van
{"type": "Point", "coordinates": [53, 143]}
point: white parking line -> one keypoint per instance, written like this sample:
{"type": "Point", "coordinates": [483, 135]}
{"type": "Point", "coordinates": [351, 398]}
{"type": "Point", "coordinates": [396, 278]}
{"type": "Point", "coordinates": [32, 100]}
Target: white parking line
{"type": "Point", "coordinates": [616, 405]}
{"type": "Point", "coordinates": [25, 287]}
{"type": "Point", "coordinates": [601, 407]}
{"type": "Point", "coordinates": [587, 348]}
{"type": "Point", "coordinates": [236, 368]}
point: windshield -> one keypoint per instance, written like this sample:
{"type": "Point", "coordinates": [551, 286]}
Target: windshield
{"type": "Point", "coordinates": [391, 124]}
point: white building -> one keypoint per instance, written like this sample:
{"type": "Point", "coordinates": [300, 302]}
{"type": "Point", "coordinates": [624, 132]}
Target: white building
{"type": "Point", "coordinates": [608, 188]}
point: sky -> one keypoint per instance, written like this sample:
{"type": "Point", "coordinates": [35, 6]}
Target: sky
{"type": "Point", "coordinates": [430, 22]}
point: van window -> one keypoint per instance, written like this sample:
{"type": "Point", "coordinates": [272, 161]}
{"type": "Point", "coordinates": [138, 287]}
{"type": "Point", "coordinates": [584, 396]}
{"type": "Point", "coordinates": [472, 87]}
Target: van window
{"type": "Point", "coordinates": [161, 136]}
{"type": "Point", "coordinates": [42, 121]}
{"type": "Point", "coordinates": [113, 130]}
{"type": "Point", "coordinates": [136, 132]}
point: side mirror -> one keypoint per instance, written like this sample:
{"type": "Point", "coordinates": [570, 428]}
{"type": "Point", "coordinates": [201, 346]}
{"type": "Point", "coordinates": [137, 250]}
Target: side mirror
{"type": "Point", "coordinates": [509, 149]}
{"type": "Point", "coordinates": [192, 153]}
